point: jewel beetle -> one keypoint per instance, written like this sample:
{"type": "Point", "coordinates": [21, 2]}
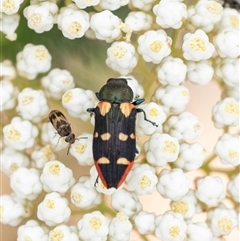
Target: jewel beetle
{"type": "Point", "coordinates": [114, 140]}
{"type": "Point", "coordinates": [62, 126]}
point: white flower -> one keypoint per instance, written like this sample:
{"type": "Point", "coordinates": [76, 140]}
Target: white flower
{"type": "Point", "coordinates": [230, 18]}
{"type": "Point", "coordinates": [41, 155]}
{"type": "Point", "coordinates": [138, 21]}
{"type": "Point", "coordinates": [84, 195]}
{"type": "Point", "coordinates": [200, 72]}
{"type": "Point", "coordinates": [227, 148]}
{"type": "Point", "coordinates": [20, 134]}
{"type": "Point", "coordinates": [50, 136]}
{"type": "Point", "coordinates": [196, 46]}
{"type": "Point", "coordinates": [226, 113]}
{"type": "Point", "coordinates": [154, 45]}
{"type": "Point", "coordinates": [138, 91]}
{"type": "Point", "coordinates": [8, 96]}
{"type": "Point", "coordinates": [228, 70]}
{"type": "Point", "coordinates": [112, 4]}
{"type": "Point", "coordinates": [56, 177]}
{"type": "Point", "coordinates": [41, 16]}
{"type": "Point", "coordinates": [33, 60]}
{"type": "Point", "coordinates": [86, 3]}
{"type": "Point", "coordinates": [187, 205]}
{"type": "Point", "coordinates": [198, 232]}
{"type": "Point", "coordinates": [53, 209]}
{"type": "Point", "coordinates": [161, 149]}
{"type": "Point", "coordinates": [144, 5]}
{"type": "Point", "coordinates": [172, 98]}
{"type": "Point", "coordinates": [191, 156]}
{"type": "Point", "coordinates": [184, 126]}
{"type": "Point", "coordinates": [204, 15]}
{"type": "Point", "coordinates": [26, 183]}
{"type": "Point", "coordinates": [233, 188]}
{"type": "Point", "coordinates": [57, 82]}
{"type": "Point", "coordinates": [10, 6]}
{"type": "Point", "coordinates": [9, 24]}
{"type": "Point", "coordinates": [170, 14]}
{"type": "Point", "coordinates": [170, 226]}
{"type": "Point", "coordinates": [77, 100]}
{"type": "Point", "coordinates": [32, 230]}
{"type": "Point", "coordinates": [106, 26]}
{"type": "Point", "coordinates": [14, 210]}
{"type": "Point", "coordinates": [93, 227]}
{"type": "Point", "coordinates": [122, 57]}
{"type": "Point", "coordinates": [210, 190]}
{"type": "Point", "coordinates": [142, 179]}
{"type": "Point", "coordinates": [227, 43]}
{"type": "Point", "coordinates": [120, 228]}
{"type": "Point", "coordinates": [72, 21]}
{"type": "Point", "coordinates": [222, 220]}
{"type": "Point", "coordinates": [81, 149]}
{"type": "Point", "coordinates": [166, 75]}
{"type": "Point", "coordinates": [145, 222]}
{"type": "Point", "coordinates": [173, 184]}
{"type": "Point", "coordinates": [32, 104]}
{"type": "Point", "coordinates": [8, 71]}
{"type": "Point", "coordinates": [155, 114]}
{"type": "Point", "coordinates": [11, 160]}
{"type": "Point", "coordinates": [64, 233]}
{"type": "Point", "coordinates": [126, 202]}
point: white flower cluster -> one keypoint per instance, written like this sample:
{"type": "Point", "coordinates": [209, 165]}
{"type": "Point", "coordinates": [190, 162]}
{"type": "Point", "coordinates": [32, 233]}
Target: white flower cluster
{"type": "Point", "coordinates": [157, 46]}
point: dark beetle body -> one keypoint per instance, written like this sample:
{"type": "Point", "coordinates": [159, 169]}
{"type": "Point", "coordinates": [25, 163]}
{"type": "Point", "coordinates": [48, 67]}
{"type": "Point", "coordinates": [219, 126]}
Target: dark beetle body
{"type": "Point", "coordinates": [114, 141]}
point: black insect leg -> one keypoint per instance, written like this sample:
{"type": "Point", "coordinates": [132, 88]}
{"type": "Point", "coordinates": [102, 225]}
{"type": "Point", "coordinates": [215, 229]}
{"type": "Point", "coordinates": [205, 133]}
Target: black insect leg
{"type": "Point", "coordinates": [96, 182]}
{"type": "Point", "coordinates": [90, 109]}
{"type": "Point", "coordinates": [145, 117]}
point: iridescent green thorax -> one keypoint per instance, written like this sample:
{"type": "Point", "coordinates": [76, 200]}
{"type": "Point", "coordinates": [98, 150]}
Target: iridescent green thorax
{"type": "Point", "coordinates": [116, 90]}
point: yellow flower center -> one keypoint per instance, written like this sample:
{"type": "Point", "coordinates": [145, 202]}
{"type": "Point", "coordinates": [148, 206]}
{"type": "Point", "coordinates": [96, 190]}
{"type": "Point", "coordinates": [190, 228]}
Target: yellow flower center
{"type": "Point", "coordinates": [119, 52]}
{"type": "Point", "coordinates": [234, 20]}
{"type": "Point", "coordinates": [8, 5]}
{"type": "Point", "coordinates": [95, 223]}
{"type": "Point", "coordinates": [122, 217]}
{"type": "Point", "coordinates": [232, 153]}
{"type": "Point", "coordinates": [153, 112]}
{"type": "Point", "coordinates": [13, 134]}
{"type": "Point", "coordinates": [232, 108]}
{"type": "Point", "coordinates": [197, 44]}
{"type": "Point", "coordinates": [35, 19]}
{"type": "Point", "coordinates": [80, 148]}
{"type": "Point", "coordinates": [169, 147]}
{"type": "Point", "coordinates": [50, 203]}
{"type": "Point", "coordinates": [144, 182]}
{"type": "Point", "coordinates": [27, 100]}
{"type": "Point", "coordinates": [156, 46]}
{"type": "Point", "coordinates": [77, 197]}
{"type": "Point", "coordinates": [67, 97]}
{"type": "Point", "coordinates": [74, 28]}
{"type": "Point", "coordinates": [225, 224]}
{"type": "Point", "coordinates": [174, 231]}
{"type": "Point", "coordinates": [180, 207]}
{"type": "Point", "coordinates": [41, 54]}
{"type": "Point", "coordinates": [56, 235]}
{"type": "Point", "coordinates": [214, 8]}
{"type": "Point", "coordinates": [54, 169]}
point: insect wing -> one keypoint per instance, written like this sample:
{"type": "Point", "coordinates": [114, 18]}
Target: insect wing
{"type": "Point", "coordinates": [60, 123]}
{"type": "Point", "coordinates": [114, 142]}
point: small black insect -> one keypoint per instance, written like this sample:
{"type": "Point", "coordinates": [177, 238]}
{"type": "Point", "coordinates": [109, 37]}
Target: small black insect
{"type": "Point", "coordinates": [62, 126]}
